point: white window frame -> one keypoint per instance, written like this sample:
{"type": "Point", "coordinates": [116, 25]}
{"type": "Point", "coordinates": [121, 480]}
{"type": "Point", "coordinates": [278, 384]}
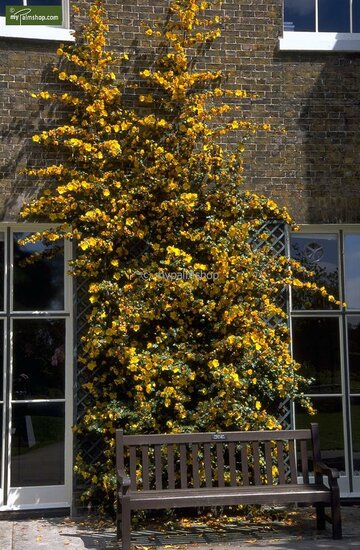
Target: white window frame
{"type": "Point", "coordinates": [47, 496]}
{"type": "Point", "coordinates": [40, 32]}
{"type": "Point", "coordinates": [320, 41]}
{"type": "Point", "coordinates": [345, 394]}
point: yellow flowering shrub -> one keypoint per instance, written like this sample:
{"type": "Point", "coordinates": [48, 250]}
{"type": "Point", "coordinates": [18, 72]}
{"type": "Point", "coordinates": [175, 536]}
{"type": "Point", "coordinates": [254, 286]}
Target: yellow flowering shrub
{"type": "Point", "coordinates": [181, 285]}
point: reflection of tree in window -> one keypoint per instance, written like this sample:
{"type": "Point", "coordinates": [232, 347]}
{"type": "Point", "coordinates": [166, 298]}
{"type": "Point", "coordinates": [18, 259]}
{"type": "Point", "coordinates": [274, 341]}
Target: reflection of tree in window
{"type": "Point", "coordinates": [316, 346]}
{"type": "Point", "coordinates": [354, 353]}
{"type": "Point", "coordinates": [38, 282]}
{"type": "Point", "coordinates": [323, 276]}
{"type": "Point", "coordinates": [39, 358]}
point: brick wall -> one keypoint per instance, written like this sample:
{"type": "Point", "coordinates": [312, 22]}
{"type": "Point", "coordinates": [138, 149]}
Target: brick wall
{"type": "Point", "coordinates": [314, 168]}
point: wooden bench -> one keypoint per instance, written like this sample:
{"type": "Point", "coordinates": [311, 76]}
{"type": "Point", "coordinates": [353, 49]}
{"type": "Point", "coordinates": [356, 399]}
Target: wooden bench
{"type": "Point", "coordinates": [222, 469]}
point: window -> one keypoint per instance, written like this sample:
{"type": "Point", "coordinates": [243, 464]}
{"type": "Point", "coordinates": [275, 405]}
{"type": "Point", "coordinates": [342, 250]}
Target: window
{"type": "Point", "coordinates": [39, 32]}
{"type": "Point", "coordinates": [321, 25]}
{"type": "Point", "coordinates": [326, 342]}
{"type": "Point", "coordinates": [36, 376]}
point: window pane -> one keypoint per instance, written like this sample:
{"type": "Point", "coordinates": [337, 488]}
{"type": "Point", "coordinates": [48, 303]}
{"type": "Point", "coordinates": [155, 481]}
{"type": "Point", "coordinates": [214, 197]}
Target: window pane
{"type": "Point", "coordinates": [1, 439]}
{"type": "Point", "coordinates": [334, 16]}
{"type": "Point", "coordinates": [356, 15]}
{"type": "Point", "coordinates": [37, 444]}
{"type": "Point", "coordinates": [39, 359]}
{"type": "Point", "coordinates": [330, 419]}
{"type": "Point", "coordinates": [299, 15]}
{"type": "Point", "coordinates": [353, 324]}
{"type": "Point", "coordinates": [2, 270]}
{"type": "Point", "coordinates": [316, 346]}
{"type": "Point", "coordinates": [1, 360]}
{"type": "Point", "coordinates": [318, 253]}
{"type": "Point", "coordinates": [355, 424]}
{"type": "Point", "coordinates": [4, 3]}
{"type": "Point", "coordinates": [40, 285]}
{"type": "Point", "coordinates": [352, 271]}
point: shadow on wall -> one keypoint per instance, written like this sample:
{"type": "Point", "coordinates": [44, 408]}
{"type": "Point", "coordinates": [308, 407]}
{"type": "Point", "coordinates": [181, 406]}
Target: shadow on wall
{"type": "Point", "coordinates": [329, 124]}
{"type": "Point", "coordinates": [25, 71]}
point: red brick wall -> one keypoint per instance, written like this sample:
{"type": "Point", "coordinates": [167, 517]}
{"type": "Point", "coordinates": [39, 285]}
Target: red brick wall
{"type": "Point", "coordinates": [314, 168]}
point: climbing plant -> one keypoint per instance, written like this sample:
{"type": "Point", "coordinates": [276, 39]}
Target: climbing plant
{"type": "Point", "coordinates": [182, 279]}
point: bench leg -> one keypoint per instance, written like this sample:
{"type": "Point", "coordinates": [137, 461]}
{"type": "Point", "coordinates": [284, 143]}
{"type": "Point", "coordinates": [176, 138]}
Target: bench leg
{"type": "Point", "coordinates": [336, 513]}
{"type": "Point", "coordinates": [320, 517]}
{"type": "Point", "coordinates": [123, 523]}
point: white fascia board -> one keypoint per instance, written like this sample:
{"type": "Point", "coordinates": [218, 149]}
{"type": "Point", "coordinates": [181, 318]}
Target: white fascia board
{"type": "Point", "coordinates": [37, 32]}
{"type": "Point", "coordinates": [320, 41]}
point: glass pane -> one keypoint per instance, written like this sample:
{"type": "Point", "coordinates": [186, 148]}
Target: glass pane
{"type": "Point", "coordinates": [2, 398]}
{"type": "Point", "coordinates": [1, 440]}
{"type": "Point", "coordinates": [316, 346]}
{"type": "Point", "coordinates": [319, 254]}
{"type": "Point", "coordinates": [40, 285]}
{"type": "Point", "coordinates": [329, 416]}
{"type": "Point", "coordinates": [353, 324]}
{"type": "Point", "coordinates": [39, 359]}
{"type": "Point", "coordinates": [4, 3]}
{"type": "Point", "coordinates": [356, 15]}
{"type": "Point", "coordinates": [355, 424]}
{"type": "Point", "coordinates": [352, 271]}
{"type": "Point", "coordinates": [2, 270]}
{"type": "Point", "coordinates": [334, 15]}
{"type": "Point", "coordinates": [37, 444]}
{"type": "Point", "coordinates": [299, 15]}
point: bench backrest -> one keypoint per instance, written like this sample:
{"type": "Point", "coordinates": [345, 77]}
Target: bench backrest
{"type": "Point", "coordinates": [159, 461]}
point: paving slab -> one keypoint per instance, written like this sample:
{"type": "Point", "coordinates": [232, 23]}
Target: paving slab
{"type": "Point", "coordinates": [90, 534]}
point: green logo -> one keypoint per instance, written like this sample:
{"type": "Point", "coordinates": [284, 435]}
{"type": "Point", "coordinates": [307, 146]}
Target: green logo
{"type": "Point", "coordinates": [33, 15]}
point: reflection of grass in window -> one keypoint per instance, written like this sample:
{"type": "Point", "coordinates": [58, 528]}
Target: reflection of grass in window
{"type": "Point", "coordinates": [355, 425]}
{"type": "Point", "coordinates": [330, 427]}
{"type": "Point", "coordinates": [47, 430]}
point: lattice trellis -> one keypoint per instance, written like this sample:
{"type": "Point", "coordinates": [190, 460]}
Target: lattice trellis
{"type": "Point", "coordinates": [92, 446]}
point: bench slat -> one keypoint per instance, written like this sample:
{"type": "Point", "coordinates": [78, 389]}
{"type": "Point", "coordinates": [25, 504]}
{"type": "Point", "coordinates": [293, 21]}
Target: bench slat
{"type": "Point", "coordinates": [263, 494]}
{"type": "Point", "coordinates": [195, 464]}
{"type": "Point", "coordinates": [171, 467]}
{"type": "Point", "coordinates": [207, 464]}
{"type": "Point", "coordinates": [133, 468]}
{"type": "Point", "coordinates": [250, 490]}
{"type": "Point", "coordinates": [281, 463]}
{"type": "Point", "coordinates": [293, 470]}
{"type": "Point", "coordinates": [304, 461]}
{"type": "Point", "coordinates": [158, 467]}
{"type": "Point", "coordinates": [220, 464]}
{"type": "Point", "coordinates": [256, 457]}
{"type": "Point", "coordinates": [268, 460]}
{"type": "Point", "coordinates": [183, 466]}
{"type": "Point", "coordinates": [145, 466]}
{"type": "Point", "coordinates": [232, 463]}
{"type": "Point", "coordinates": [244, 465]}
{"type": "Point", "coordinates": [266, 435]}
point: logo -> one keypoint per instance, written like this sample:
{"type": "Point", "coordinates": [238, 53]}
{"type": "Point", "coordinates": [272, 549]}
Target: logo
{"type": "Point", "coordinates": [33, 15]}
{"type": "Point", "coordinates": [314, 252]}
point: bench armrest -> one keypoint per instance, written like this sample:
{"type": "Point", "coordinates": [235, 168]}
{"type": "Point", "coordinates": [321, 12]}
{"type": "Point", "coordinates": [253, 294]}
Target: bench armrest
{"type": "Point", "coordinates": [123, 480]}
{"type": "Point", "coordinates": [321, 468]}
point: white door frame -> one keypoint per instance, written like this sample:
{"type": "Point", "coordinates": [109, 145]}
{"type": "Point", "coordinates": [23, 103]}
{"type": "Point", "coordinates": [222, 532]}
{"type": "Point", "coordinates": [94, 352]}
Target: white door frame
{"type": "Point", "coordinates": [39, 497]}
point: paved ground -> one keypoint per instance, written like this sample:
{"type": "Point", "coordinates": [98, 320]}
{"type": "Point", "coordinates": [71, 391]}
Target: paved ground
{"type": "Point", "coordinates": [297, 533]}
